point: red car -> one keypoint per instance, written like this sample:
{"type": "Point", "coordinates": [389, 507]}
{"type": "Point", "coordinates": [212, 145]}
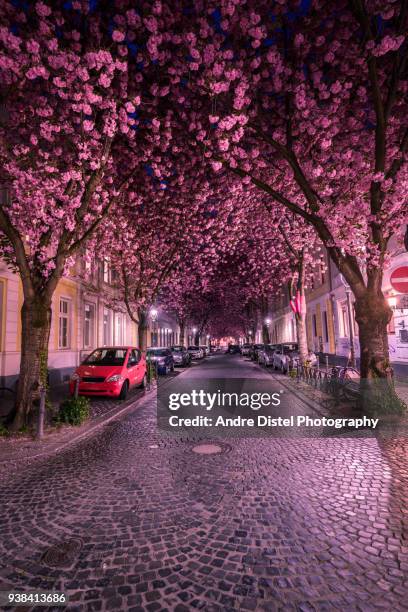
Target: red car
{"type": "Point", "coordinates": [110, 371]}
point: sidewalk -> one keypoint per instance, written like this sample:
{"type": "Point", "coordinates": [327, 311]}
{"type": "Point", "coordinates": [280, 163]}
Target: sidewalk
{"type": "Point", "coordinates": [326, 401]}
{"type": "Point", "coordinates": [24, 448]}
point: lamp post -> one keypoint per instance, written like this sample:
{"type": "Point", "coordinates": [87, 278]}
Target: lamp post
{"type": "Point", "coordinates": [194, 330]}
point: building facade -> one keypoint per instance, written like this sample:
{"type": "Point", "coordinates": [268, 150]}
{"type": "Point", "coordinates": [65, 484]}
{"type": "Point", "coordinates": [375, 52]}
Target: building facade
{"type": "Point", "coordinates": [85, 315]}
{"type": "Point", "coordinates": [330, 322]}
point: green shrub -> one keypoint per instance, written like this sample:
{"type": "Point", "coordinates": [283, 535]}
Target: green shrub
{"type": "Point", "coordinates": [4, 432]}
{"type": "Point", "coordinates": [74, 410]}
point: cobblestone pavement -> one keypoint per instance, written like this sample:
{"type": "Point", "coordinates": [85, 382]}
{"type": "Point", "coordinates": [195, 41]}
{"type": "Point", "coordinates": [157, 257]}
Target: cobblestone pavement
{"type": "Point", "coordinates": [133, 519]}
{"type": "Point", "coordinates": [22, 448]}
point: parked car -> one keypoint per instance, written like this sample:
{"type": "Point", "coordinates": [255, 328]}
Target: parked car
{"type": "Point", "coordinates": [206, 349]}
{"type": "Point", "coordinates": [110, 371]}
{"type": "Point", "coordinates": [254, 351]}
{"type": "Point", "coordinates": [196, 352]}
{"type": "Point", "coordinates": [181, 356]}
{"type": "Point", "coordinates": [163, 357]}
{"type": "Point", "coordinates": [284, 355]}
{"type": "Point", "coordinates": [265, 354]}
{"type": "Point", "coordinates": [233, 349]}
{"type": "Point", "coordinates": [246, 349]}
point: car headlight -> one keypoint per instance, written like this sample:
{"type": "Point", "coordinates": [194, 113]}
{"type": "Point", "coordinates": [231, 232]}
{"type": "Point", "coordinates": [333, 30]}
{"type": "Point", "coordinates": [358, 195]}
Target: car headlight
{"type": "Point", "coordinates": [75, 376]}
{"type": "Point", "coordinates": [114, 378]}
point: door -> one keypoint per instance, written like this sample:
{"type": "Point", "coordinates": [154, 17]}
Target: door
{"type": "Point", "coordinates": [132, 367]}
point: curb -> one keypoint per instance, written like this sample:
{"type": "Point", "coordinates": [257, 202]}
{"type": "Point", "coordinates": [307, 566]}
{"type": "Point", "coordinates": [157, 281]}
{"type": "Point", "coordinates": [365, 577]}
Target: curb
{"type": "Point", "coordinates": [110, 416]}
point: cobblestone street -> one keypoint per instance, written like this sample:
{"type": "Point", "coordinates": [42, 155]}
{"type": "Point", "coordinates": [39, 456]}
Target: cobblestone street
{"type": "Point", "coordinates": [133, 519]}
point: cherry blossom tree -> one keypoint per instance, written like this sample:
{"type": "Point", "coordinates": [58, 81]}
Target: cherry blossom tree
{"type": "Point", "coordinates": [309, 103]}
{"type": "Point", "coordinates": [71, 144]}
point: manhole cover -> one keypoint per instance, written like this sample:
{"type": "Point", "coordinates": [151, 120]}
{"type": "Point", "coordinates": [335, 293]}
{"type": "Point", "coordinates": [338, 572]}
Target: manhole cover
{"type": "Point", "coordinates": [63, 554]}
{"type": "Point", "coordinates": [207, 449]}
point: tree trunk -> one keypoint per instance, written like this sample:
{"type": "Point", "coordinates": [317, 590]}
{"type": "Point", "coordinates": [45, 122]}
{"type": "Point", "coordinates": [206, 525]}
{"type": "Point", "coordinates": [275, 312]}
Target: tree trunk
{"type": "Point", "coordinates": [35, 335]}
{"type": "Point", "coordinates": [265, 334]}
{"type": "Point", "coordinates": [142, 328]}
{"type": "Point", "coordinates": [377, 392]}
{"type": "Point", "coordinates": [373, 315]}
{"type": "Point", "coordinates": [301, 336]}
{"type": "Point", "coordinates": [197, 339]}
{"type": "Point", "coordinates": [182, 326]}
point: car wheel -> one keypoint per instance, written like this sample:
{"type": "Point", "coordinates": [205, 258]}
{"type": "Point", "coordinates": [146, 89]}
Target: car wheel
{"type": "Point", "coordinates": [124, 390]}
{"type": "Point", "coordinates": [172, 367]}
{"type": "Point", "coordinates": [143, 384]}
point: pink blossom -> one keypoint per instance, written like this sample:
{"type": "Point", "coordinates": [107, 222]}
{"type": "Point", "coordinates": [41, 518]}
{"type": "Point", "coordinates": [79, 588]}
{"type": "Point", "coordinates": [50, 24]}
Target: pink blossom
{"type": "Point", "coordinates": [118, 36]}
{"type": "Point", "coordinates": [42, 9]}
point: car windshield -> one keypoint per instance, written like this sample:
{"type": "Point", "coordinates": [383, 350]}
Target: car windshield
{"type": "Point", "coordinates": [269, 349]}
{"type": "Point", "coordinates": [246, 346]}
{"type": "Point", "coordinates": [107, 357]}
{"type": "Point", "coordinates": [193, 348]}
{"type": "Point", "coordinates": [259, 346]}
{"type": "Point", "coordinates": [177, 349]}
{"type": "Point", "coordinates": [157, 352]}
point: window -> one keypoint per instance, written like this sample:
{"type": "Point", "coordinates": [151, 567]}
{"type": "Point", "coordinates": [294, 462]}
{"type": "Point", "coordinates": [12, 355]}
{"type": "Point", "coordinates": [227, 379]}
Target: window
{"type": "Point", "coordinates": [107, 328]}
{"type": "Point", "coordinates": [119, 329]}
{"type": "Point", "coordinates": [314, 320]}
{"type": "Point", "coordinates": [344, 319]}
{"type": "Point", "coordinates": [322, 274]}
{"type": "Point", "coordinates": [2, 310]}
{"type": "Point", "coordinates": [89, 325]}
{"type": "Point", "coordinates": [64, 331]}
{"type": "Point", "coordinates": [106, 271]}
{"type": "Point", "coordinates": [107, 357]}
{"type": "Point", "coordinates": [134, 358]}
{"type": "Point", "coordinates": [325, 326]}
